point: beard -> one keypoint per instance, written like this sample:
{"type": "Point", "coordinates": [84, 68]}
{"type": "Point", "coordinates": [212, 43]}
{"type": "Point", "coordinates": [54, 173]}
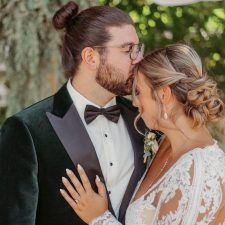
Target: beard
{"type": "Point", "coordinates": [113, 79]}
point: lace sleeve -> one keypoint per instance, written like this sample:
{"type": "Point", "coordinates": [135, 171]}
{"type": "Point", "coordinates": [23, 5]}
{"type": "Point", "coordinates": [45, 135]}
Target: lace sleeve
{"type": "Point", "coordinates": [193, 193]}
{"type": "Point", "coordinates": [105, 219]}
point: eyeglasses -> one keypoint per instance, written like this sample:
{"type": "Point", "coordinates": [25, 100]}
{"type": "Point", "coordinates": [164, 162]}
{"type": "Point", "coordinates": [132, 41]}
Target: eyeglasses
{"type": "Point", "coordinates": [133, 49]}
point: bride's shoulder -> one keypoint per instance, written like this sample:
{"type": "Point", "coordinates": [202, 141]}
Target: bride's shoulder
{"type": "Point", "coordinates": [197, 166]}
{"type": "Point", "coordinates": [209, 153]}
{"type": "Point", "coordinates": [210, 158]}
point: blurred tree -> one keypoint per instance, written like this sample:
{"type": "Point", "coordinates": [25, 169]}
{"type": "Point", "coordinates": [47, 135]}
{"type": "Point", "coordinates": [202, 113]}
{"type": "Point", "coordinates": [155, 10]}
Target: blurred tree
{"type": "Point", "coordinates": [29, 49]}
{"type": "Point", "coordinates": [201, 25]}
{"type": "Point", "coordinates": [29, 44]}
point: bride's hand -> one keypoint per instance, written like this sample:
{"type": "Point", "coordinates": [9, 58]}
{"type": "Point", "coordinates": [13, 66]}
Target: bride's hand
{"type": "Point", "coordinates": [85, 202]}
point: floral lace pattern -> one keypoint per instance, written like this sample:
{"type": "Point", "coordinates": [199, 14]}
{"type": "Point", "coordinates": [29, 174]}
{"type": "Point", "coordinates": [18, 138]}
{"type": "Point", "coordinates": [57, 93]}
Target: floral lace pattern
{"type": "Point", "coordinates": [191, 192]}
{"type": "Point", "coordinates": [105, 219]}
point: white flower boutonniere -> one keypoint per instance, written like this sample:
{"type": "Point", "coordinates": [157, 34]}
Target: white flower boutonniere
{"type": "Point", "coordinates": [150, 145]}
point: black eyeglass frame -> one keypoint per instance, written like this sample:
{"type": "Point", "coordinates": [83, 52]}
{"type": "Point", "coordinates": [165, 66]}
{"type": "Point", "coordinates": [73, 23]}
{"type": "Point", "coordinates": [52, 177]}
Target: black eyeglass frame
{"type": "Point", "coordinates": [133, 52]}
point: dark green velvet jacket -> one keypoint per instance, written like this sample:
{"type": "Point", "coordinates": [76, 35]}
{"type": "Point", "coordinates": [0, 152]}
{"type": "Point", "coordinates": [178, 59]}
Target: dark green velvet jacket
{"type": "Point", "coordinates": [36, 146]}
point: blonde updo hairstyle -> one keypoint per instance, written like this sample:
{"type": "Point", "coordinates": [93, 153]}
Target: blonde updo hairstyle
{"type": "Point", "coordinates": [180, 67]}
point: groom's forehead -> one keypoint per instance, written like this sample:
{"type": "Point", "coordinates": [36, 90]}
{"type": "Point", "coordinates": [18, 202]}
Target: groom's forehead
{"type": "Point", "coordinates": [125, 34]}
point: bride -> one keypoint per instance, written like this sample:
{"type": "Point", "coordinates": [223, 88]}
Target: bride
{"type": "Point", "coordinates": [185, 185]}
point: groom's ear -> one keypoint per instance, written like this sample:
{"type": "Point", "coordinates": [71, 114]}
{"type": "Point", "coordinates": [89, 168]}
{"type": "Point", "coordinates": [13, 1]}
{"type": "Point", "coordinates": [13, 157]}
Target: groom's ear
{"type": "Point", "coordinates": [165, 94]}
{"type": "Point", "coordinates": [90, 57]}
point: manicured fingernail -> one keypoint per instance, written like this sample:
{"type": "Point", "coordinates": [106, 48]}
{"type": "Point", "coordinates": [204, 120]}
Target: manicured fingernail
{"type": "Point", "coordinates": [62, 191]}
{"type": "Point", "coordinates": [97, 178]}
{"type": "Point", "coordinates": [79, 167]}
{"type": "Point", "coordinates": [69, 172]}
{"type": "Point", "coordinates": [64, 179]}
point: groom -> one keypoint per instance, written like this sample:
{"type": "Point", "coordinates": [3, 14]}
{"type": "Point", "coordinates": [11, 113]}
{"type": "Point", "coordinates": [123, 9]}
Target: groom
{"type": "Point", "coordinates": [85, 122]}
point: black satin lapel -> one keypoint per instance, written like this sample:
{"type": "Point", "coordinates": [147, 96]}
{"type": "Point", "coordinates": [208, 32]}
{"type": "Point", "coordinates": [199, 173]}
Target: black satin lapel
{"type": "Point", "coordinates": [77, 143]}
{"type": "Point", "coordinates": [75, 139]}
{"type": "Point", "coordinates": [137, 143]}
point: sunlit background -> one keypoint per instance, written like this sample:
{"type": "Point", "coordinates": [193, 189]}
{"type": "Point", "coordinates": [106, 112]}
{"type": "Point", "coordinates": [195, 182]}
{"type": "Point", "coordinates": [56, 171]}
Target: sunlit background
{"type": "Point", "coordinates": [30, 67]}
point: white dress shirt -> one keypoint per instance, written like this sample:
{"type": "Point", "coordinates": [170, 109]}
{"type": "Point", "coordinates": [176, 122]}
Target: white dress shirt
{"type": "Point", "coordinates": [112, 145]}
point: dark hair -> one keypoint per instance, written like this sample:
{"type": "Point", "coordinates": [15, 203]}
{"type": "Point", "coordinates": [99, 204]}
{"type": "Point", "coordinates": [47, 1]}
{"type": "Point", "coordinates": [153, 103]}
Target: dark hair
{"type": "Point", "coordinates": [87, 28]}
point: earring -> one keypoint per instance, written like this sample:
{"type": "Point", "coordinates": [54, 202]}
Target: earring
{"type": "Point", "coordinates": [165, 116]}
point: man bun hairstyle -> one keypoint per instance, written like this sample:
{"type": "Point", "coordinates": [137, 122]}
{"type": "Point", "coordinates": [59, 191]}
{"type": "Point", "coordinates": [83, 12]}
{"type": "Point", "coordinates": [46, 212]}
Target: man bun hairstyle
{"type": "Point", "coordinates": [87, 28]}
{"type": "Point", "coordinates": [65, 15]}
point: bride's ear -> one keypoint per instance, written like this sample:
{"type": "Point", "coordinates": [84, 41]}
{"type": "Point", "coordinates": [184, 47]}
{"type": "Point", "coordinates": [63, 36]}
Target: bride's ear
{"type": "Point", "coordinates": [165, 94]}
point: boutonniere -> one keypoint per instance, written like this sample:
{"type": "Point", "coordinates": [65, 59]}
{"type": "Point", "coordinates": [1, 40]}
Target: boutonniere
{"type": "Point", "coordinates": [150, 145]}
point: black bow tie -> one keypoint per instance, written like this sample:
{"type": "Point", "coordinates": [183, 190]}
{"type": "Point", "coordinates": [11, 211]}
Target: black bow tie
{"type": "Point", "coordinates": [112, 113]}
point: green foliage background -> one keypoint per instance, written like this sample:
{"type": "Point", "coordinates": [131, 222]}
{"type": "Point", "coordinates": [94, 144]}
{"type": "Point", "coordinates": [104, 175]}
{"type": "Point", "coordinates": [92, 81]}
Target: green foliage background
{"type": "Point", "coordinates": [201, 25]}
{"type": "Point", "coordinates": [29, 44]}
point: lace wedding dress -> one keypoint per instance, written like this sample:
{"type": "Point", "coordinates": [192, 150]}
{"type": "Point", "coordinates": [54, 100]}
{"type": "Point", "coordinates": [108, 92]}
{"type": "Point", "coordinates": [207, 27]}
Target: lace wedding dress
{"type": "Point", "coordinates": [191, 192]}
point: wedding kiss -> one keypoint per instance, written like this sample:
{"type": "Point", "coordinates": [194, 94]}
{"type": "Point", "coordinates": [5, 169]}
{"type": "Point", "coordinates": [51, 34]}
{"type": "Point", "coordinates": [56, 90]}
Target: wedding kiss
{"type": "Point", "coordinates": [87, 129]}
